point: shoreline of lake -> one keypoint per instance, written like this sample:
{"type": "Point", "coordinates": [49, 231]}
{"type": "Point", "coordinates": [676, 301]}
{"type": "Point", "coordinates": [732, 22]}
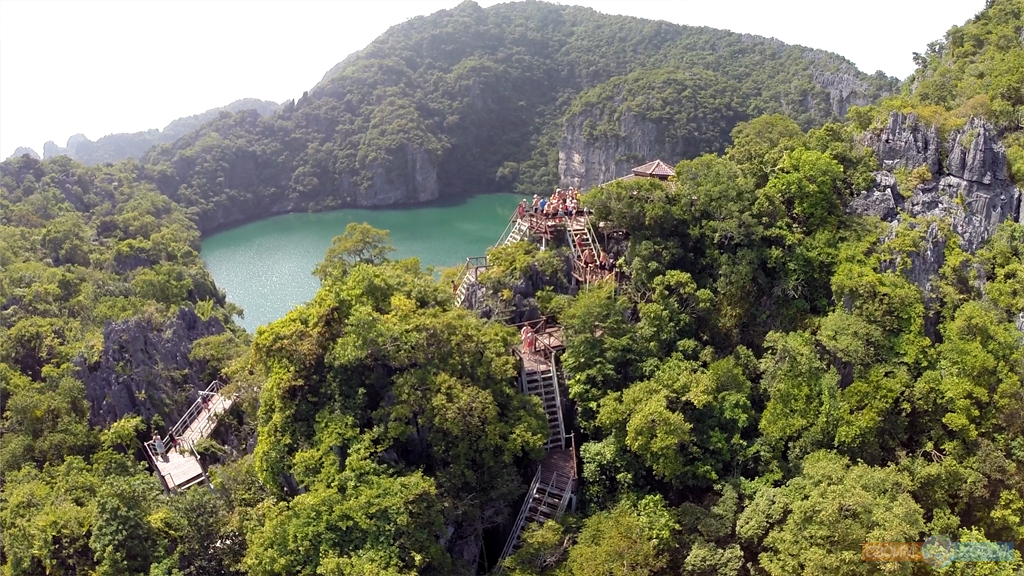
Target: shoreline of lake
{"type": "Point", "coordinates": [266, 266]}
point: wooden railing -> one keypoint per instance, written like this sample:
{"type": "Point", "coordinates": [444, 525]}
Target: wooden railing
{"type": "Point", "coordinates": [177, 433]}
{"type": "Point", "coordinates": [468, 275]}
{"type": "Point", "coordinates": [558, 395]}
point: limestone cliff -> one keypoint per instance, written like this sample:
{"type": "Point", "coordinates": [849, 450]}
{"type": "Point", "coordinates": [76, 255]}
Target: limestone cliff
{"type": "Point", "coordinates": [584, 163]}
{"type": "Point", "coordinates": [969, 187]}
{"type": "Point", "coordinates": [674, 114]}
{"type": "Point", "coordinates": [144, 368]}
{"type": "Point", "coordinates": [22, 150]}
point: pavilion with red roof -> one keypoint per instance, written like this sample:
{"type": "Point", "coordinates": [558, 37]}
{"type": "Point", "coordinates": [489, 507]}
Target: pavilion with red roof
{"type": "Point", "coordinates": [655, 169]}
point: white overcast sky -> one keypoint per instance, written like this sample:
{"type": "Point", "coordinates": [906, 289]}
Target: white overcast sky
{"type": "Point", "coordinates": [125, 66]}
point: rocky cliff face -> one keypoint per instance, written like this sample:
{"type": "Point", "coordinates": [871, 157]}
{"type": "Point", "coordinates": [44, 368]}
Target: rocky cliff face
{"type": "Point", "coordinates": [969, 187]}
{"type": "Point", "coordinates": [411, 177]}
{"type": "Point", "coordinates": [843, 90]}
{"type": "Point", "coordinates": [145, 369]}
{"type": "Point", "coordinates": [586, 162]}
{"type": "Point", "coordinates": [631, 120]}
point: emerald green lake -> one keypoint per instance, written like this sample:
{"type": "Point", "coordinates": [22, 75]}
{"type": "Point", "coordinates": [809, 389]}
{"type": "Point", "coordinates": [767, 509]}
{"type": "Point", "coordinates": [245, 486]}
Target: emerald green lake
{"type": "Point", "coordinates": [266, 267]}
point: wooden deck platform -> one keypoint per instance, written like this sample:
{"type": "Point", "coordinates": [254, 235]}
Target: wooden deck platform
{"type": "Point", "coordinates": [180, 470]}
{"type": "Point", "coordinates": [179, 467]}
{"type": "Point", "coordinates": [561, 461]}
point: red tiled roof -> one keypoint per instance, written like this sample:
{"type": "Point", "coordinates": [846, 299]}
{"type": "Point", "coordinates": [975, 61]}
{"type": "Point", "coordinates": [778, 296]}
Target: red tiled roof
{"type": "Point", "coordinates": [654, 169]}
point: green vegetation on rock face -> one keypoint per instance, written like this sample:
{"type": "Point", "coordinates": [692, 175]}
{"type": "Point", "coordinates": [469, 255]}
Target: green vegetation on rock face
{"type": "Point", "coordinates": [471, 99]}
{"type": "Point", "coordinates": [93, 262]}
{"type": "Point", "coordinates": [394, 411]}
{"type": "Point", "coordinates": [695, 110]}
{"type": "Point", "coordinates": [978, 67]}
{"type": "Point", "coordinates": [773, 369]}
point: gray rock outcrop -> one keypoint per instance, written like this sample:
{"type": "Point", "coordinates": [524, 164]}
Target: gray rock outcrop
{"type": "Point", "coordinates": [970, 187]}
{"type": "Point", "coordinates": [22, 150]}
{"type": "Point", "coordinates": [145, 369]}
{"type": "Point", "coordinates": [843, 89]}
{"type": "Point", "coordinates": [883, 200]}
{"type": "Point", "coordinates": [414, 179]}
{"type": "Point", "coordinates": [905, 142]}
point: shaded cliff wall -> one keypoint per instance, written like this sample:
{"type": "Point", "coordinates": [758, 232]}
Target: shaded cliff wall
{"type": "Point", "coordinates": [144, 368]}
{"type": "Point", "coordinates": [672, 114]}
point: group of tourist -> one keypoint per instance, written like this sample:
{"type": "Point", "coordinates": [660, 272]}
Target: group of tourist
{"type": "Point", "coordinates": [597, 267]}
{"type": "Point", "coordinates": [563, 203]}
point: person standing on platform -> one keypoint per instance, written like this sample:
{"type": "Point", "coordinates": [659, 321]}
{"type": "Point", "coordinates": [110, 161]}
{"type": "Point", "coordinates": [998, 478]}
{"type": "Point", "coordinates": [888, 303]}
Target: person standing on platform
{"type": "Point", "coordinates": [526, 335]}
{"type": "Point", "coordinates": [161, 450]}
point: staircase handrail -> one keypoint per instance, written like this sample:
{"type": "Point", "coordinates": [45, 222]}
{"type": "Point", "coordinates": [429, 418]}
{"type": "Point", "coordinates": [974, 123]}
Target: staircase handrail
{"type": "Point", "coordinates": [576, 255]}
{"type": "Point", "coordinates": [564, 503]}
{"type": "Point", "coordinates": [461, 275]}
{"type": "Point", "coordinates": [195, 409]}
{"type": "Point", "coordinates": [512, 221]}
{"type": "Point", "coordinates": [549, 318]}
{"type": "Point", "coordinates": [507, 551]}
{"type": "Point", "coordinates": [211, 419]}
{"type": "Point", "coordinates": [465, 277]}
{"type": "Point", "coordinates": [572, 448]}
{"type": "Point", "coordinates": [578, 269]}
{"type": "Point", "coordinates": [558, 397]}
{"type": "Point", "coordinates": [590, 231]}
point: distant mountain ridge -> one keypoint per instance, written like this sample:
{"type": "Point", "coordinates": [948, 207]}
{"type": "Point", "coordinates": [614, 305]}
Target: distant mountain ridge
{"type": "Point", "coordinates": [488, 99]}
{"type": "Point", "coordinates": [114, 147]}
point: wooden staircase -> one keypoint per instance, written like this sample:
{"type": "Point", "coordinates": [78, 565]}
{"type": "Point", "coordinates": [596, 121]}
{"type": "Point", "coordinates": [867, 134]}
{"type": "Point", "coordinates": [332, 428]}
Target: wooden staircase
{"type": "Point", "coordinates": [547, 499]}
{"type": "Point", "coordinates": [469, 277]}
{"type": "Point", "coordinates": [519, 231]}
{"type": "Point", "coordinates": [554, 483]}
{"type": "Point", "coordinates": [580, 240]}
{"type": "Point", "coordinates": [540, 379]}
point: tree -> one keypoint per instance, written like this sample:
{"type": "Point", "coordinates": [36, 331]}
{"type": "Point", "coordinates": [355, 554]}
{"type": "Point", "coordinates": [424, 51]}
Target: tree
{"type": "Point", "coordinates": [758, 145]}
{"type": "Point", "coordinates": [361, 243]}
{"type": "Point", "coordinates": [632, 539]}
{"type": "Point", "coordinates": [817, 522]}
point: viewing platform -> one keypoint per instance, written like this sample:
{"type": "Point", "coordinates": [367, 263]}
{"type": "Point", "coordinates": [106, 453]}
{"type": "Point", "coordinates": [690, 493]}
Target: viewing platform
{"type": "Point", "coordinates": [179, 465]}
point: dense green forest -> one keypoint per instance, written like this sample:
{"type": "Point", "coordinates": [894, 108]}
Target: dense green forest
{"type": "Point", "coordinates": [769, 389]}
{"type": "Point", "coordinates": [472, 100]}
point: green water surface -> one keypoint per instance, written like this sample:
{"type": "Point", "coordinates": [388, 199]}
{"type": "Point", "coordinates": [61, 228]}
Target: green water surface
{"type": "Point", "coordinates": [266, 267]}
